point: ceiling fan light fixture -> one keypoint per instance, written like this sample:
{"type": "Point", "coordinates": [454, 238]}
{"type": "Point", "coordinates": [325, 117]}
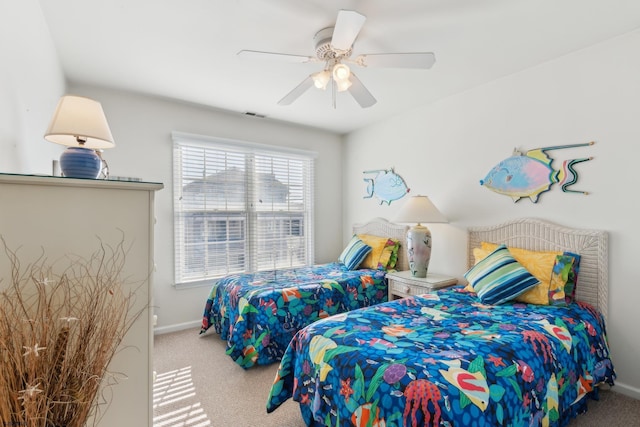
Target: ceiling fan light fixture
{"type": "Point", "coordinates": [341, 72]}
{"type": "Point", "coordinates": [333, 46]}
{"type": "Point", "coordinates": [343, 85]}
{"type": "Point", "coordinates": [321, 79]}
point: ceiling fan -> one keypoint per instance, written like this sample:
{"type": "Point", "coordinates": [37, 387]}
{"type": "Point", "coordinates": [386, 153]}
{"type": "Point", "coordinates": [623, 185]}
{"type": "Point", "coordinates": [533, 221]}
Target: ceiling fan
{"type": "Point", "coordinates": [334, 46]}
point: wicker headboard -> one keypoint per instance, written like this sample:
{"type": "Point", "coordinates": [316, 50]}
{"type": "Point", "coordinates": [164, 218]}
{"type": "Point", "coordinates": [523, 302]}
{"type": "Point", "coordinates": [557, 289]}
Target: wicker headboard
{"type": "Point", "coordinates": [538, 235]}
{"type": "Point", "coordinates": [383, 228]}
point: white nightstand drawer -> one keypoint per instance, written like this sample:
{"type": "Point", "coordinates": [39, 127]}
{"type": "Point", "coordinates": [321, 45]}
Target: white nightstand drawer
{"type": "Point", "coordinates": [402, 284]}
{"type": "Point", "coordinates": [403, 288]}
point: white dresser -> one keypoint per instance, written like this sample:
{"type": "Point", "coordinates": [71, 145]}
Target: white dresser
{"type": "Point", "coordinates": [68, 216]}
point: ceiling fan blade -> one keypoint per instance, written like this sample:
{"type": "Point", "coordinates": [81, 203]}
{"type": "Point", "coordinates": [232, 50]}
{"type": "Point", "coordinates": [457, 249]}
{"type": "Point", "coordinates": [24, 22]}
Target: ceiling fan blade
{"type": "Point", "coordinates": [360, 93]}
{"type": "Point", "coordinates": [346, 30]}
{"type": "Point", "coordinates": [397, 60]}
{"type": "Point", "coordinates": [296, 92]}
{"type": "Point", "coordinates": [285, 57]}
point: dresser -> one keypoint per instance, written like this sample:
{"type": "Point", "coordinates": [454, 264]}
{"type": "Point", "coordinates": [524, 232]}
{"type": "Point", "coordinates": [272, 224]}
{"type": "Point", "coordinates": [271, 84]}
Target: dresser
{"type": "Point", "coordinates": [57, 216]}
{"type": "Point", "coordinates": [402, 284]}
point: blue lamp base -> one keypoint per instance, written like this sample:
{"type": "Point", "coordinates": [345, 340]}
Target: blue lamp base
{"type": "Point", "coordinates": [78, 162]}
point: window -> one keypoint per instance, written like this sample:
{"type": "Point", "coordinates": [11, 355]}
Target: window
{"type": "Point", "coordinates": [239, 207]}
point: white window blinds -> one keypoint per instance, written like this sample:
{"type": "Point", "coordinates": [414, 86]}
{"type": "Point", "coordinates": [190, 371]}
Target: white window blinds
{"type": "Point", "coordinates": [239, 207]}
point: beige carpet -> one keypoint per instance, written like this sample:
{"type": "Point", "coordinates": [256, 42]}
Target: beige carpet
{"type": "Point", "coordinates": [198, 385]}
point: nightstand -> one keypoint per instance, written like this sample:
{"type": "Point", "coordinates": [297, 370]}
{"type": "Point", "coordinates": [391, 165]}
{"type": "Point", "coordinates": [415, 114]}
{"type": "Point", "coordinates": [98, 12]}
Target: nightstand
{"type": "Point", "coordinates": [402, 284]}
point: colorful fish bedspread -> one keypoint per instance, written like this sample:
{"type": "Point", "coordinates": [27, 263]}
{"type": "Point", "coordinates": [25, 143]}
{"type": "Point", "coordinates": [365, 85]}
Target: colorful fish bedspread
{"type": "Point", "coordinates": [259, 313]}
{"type": "Point", "coordinates": [445, 359]}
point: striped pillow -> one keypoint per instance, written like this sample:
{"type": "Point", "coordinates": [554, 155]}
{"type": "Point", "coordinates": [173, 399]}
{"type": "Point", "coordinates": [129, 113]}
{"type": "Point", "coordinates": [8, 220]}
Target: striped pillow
{"type": "Point", "coordinates": [354, 253]}
{"type": "Point", "coordinates": [499, 277]}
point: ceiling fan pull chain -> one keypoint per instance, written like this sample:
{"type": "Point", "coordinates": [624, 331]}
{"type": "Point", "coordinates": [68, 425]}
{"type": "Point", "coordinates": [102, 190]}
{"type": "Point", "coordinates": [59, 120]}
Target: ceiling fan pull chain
{"type": "Point", "coordinates": [333, 93]}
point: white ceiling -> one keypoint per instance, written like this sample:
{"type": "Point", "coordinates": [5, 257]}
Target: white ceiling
{"type": "Point", "coordinates": [187, 50]}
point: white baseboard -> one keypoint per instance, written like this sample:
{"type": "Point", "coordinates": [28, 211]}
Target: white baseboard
{"type": "Point", "coordinates": [175, 328]}
{"type": "Point", "coordinates": [627, 390]}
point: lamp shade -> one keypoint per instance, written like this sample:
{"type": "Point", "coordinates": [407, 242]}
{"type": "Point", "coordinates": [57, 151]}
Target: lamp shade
{"type": "Point", "coordinates": [341, 72]}
{"type": "Point", "coordinates": [321, 79]}
{"type": "Point", "coordinates": [419, 209]}
{"type": "Point", "coordinates": [79, 122]}
{"type": "Point", "coordinates": [418, 239]}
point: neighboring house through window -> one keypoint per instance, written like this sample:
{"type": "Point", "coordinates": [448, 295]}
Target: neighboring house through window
{"type": "Point", "coordinates": [239, 207]}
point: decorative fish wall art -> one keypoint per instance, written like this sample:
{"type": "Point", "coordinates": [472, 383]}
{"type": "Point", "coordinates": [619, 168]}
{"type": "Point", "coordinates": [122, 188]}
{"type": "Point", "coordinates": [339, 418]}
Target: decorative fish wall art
{"type": "Point", "coordinates": [531, 173]}
{"type": "Point", "coordinates": [386, 186]}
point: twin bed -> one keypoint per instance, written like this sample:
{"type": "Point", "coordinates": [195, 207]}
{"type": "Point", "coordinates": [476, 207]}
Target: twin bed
{"type": "Point", "coordinates": [449, 359]}
{"type": "Point", "coordinates": [258, 314]}
{"type": "Point", "coordinates": [349, 357]}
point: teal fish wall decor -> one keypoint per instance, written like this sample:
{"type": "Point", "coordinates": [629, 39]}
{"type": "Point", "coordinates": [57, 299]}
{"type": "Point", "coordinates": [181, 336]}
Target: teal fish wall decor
{"type": "Point", "coordinates": [531, 174]}
{"type": "Point", "coordinates": [386, 186]}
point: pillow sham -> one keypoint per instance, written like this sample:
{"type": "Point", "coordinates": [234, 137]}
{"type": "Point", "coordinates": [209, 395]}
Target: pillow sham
{"type": "Point", "coordinates": [382, 249]}
{"type": "Point", "coordinates": [559, 278]}
{"type": "Point", "coordinates": [354, 253]}
{"type": "Point", "coordinates": [393, 257]}
{"type": "Point", "coordinates": [539, 264]}
{"type": "Point", "coordinates": [499, 277]}
{"type": "Point", "coordinates": [572, 280]}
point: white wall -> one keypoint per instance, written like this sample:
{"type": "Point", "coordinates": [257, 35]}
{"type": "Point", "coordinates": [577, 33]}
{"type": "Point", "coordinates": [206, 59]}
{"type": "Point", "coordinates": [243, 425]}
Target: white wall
{"type": "Point", "coordinates": [142, 126]}
{"type": "Point", "coordinates": [31, 82]}
{"type": "Point", "coordinates": [443, 150]}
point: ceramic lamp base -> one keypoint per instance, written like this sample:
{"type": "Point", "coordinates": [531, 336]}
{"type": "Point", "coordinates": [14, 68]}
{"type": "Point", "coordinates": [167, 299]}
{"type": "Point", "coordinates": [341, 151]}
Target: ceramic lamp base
{"type": "Point", "coordinates": [78, 162]}
{"type": "Point", "coordinates": [418, 250]}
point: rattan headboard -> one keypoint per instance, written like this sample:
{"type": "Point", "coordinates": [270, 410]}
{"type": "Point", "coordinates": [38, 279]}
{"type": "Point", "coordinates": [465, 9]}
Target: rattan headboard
{"type": "Point", "coordinates": [383, 228]}
{"type": "Point", "coordinates": [539, 235]}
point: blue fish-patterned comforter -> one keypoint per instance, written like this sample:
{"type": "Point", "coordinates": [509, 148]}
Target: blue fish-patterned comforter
{"type": "Point", "coordinates": [445, 359]}
{"type": "Point", "coordinates": [259, 313]}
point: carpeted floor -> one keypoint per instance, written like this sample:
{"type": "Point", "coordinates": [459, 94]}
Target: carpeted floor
{"type": "Point", "coordinates": [198, 385]}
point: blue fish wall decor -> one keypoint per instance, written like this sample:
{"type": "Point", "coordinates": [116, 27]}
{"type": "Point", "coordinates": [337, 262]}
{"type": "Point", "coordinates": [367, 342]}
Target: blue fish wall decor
{"type": "Point", "coordinates": [387, 185]}
{"type": "Point", "coordinates": [531, 174]}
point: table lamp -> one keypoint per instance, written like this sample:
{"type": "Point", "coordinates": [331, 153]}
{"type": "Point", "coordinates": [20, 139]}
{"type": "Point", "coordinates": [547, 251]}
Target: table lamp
{"type": "Point", "coordinates": [80, 124]}
{"type": "Point", "coordinates": [419, 209]}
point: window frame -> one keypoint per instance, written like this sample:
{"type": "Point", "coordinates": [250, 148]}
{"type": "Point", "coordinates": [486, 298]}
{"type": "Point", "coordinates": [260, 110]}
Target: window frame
{"type": "Point", "coordinates": [298, 221]}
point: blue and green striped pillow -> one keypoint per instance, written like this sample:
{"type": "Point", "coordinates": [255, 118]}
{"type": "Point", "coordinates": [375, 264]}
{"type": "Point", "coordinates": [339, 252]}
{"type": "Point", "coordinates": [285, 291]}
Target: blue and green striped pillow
{"type": "Point", "coordinates": [354, 253]}
{"type": "Point", "coordinates": [499, 277]}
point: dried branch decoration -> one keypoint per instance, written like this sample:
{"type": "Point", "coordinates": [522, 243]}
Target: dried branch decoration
{"type": "Point", "coordinates": [58, 333]}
